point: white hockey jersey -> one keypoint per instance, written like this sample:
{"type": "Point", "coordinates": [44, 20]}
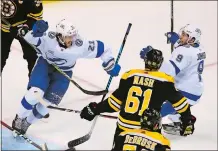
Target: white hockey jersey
{"type": "Point", "coordinates": [65, 59]}
{"type": "Point", "coordinates": [186, 65]}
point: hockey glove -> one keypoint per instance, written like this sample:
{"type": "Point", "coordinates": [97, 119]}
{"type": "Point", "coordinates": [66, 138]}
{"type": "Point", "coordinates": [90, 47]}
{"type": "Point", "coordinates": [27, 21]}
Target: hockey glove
{"type": "Point", "coordinates": [89, 112]}
{"type": "Point", "coordinates": [172, 37]}
{"type": "Point", "coordinates": [23, 31]}
{"type": "Point", "coordinates": [39, 28]}
{"type": "Point", "coordinates": [111, 68]}
{"type": "Point", "coordinates": [187, 125]}
{"type": "Point", "coordinates": [144, 51]}
{"type": "Point", "coordinates": [19, 31]}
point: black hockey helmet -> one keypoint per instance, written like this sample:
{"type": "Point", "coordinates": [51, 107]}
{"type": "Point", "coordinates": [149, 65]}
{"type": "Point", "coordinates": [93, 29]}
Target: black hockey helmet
{"type": "Point", "coordinates": [153, 59]}
{"type": "Point", "coordinates": [151, 120]}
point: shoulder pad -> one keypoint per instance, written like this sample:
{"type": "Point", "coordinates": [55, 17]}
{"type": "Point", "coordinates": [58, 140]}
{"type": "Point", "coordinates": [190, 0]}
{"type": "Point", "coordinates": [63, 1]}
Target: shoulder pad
{"type": "Point", "coordinates": [129, 73]}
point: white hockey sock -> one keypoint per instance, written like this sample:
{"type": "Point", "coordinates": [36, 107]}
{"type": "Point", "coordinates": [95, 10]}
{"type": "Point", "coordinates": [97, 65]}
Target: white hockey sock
{"type": "Point", "coordinates": [28, 102]}
{"type": "Point", "coordinates": [31, 118]}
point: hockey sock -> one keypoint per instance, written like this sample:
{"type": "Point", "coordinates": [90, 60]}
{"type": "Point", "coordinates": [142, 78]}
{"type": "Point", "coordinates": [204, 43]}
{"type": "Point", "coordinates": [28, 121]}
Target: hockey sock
{"type": "Point", "coordinates": [38, 112]}
{"type": "Point", "coordinates": [28, 101]}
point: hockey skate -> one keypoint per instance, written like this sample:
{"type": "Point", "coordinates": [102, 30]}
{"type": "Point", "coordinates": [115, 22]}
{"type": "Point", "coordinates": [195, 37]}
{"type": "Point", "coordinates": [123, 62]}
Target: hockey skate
{"type": "Point", "coordinates": [173, 127]}
{"type": "Point", "coordinates": [20, 125]}
{"type": "Point", "coordinates": [16, 125]}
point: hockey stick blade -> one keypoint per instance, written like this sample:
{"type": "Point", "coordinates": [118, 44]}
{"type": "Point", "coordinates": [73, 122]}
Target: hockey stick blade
{"type": "Point", "coordinates": [102, 92]}
{"type": "Point", "coordinates": [86, 137]}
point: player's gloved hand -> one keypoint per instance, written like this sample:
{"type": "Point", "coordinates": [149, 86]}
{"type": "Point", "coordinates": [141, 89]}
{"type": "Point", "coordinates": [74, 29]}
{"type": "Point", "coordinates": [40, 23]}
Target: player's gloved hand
{"type": "Point", "coordinates": [187, 125]}
{"type": "Point", "coordinates": [23, 30]}
{"type": "Point", "coordinates": [111, 68]}
{"type": "Point", "coordinates": [19, 31]}
{"type": "Point", "coordinates": [172, 37]}
{"type": "Point", "coordinates": [89, 112]}
{"type": "Point", "coordinates": [39, 28]}
{"type": "Point", "coordinates": [144, 51]}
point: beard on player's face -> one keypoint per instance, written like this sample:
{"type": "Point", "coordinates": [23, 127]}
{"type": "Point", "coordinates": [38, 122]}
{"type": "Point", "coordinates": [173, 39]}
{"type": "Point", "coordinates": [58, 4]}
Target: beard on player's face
{"type": "Point", "coordinates": [68, 41]}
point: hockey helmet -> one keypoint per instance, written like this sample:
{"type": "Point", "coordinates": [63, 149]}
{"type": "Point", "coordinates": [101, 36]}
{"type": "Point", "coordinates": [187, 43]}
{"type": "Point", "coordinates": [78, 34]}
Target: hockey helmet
{"type": "Point", "coordinates": [153, 59]}
{"type": "Point", "coordinates": [151, 120]}
{"type": "Point", "coordinates": [193, 33]}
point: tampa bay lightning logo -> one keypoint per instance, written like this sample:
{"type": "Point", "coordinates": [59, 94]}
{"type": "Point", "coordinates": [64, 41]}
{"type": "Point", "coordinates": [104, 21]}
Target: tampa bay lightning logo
{"type": "Point", "coordinates": [58, 61]}
{"type": "Point", "coordinates": [51, 34]}
{"type": "Point", "coordinates": [79, 42]}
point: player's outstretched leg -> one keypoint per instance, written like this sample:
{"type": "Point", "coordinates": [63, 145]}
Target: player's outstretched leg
{"type": "Point", "coordinates": [38, 83]}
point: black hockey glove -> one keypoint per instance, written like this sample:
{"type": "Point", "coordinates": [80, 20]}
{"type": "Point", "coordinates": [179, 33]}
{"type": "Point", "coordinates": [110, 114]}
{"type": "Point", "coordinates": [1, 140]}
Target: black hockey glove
{"type": "Point", "coordinates": [89, 112]}
{"type": "Point", "coordinates": [187, 125]}
{"type": "Point", "coordinates": [19, 31]}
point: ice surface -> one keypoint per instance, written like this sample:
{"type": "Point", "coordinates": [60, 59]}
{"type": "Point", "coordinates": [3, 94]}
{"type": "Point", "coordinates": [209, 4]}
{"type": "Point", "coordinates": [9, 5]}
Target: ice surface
{"type": "Point", "coordinates": [108, 21]}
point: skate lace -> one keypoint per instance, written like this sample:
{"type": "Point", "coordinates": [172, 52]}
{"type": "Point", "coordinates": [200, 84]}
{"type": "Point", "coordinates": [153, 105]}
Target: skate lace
{"type": "Point", "coordinates": [18, 123]}
{"type": "Point", "coordinates": [25, 125]}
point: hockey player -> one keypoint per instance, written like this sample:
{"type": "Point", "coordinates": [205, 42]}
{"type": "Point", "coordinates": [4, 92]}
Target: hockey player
{"type": "Point", "coordinates": [141, 89]}
{"type": "Point", "coordinates": [146, 138]}
{"type": "Point", "coordinates": [186, 65]}
{"type": "Point", "coordinates": [21, 14]}
{"type": "Point", "coordinates": [62, 48]}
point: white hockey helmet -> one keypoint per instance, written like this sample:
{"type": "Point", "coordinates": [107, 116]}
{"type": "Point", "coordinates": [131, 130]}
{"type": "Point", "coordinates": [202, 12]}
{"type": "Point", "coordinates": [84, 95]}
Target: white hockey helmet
{"type": "Point", "coordinates": [192, 31]}
{"type": "Point", "coordinates": [65, 28]}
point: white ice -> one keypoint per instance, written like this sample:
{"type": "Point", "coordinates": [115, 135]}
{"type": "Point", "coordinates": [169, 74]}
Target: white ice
{"type": "Point", "coordinates": [107, 21]}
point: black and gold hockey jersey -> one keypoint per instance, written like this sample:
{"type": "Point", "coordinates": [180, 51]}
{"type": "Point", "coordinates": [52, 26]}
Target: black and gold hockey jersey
{"type": "Point", "coordinates": [18, 12]}
{"type": "Point", "coordinates": [139, 140]}
{"type": "Point", "coordinates": [138, 90]}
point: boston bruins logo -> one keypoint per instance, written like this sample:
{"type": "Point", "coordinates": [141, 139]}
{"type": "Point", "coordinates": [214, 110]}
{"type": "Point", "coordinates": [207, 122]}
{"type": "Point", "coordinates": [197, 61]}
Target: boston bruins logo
{"type": "Point", "coordinates": [8, 8]}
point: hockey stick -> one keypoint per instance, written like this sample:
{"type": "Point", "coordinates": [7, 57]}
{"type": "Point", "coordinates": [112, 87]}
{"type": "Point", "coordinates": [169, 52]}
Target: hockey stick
{"type": "Point", "coordinates": [77, 111]}
{"type": "Point", "coordinates": [172, 21]}
{"type": "Point", "coordinates": [63, 73]}
{"type": "Point", "coordinates": [44, 146]}
{"type": "Point", "coordinates": [49, 105]}
{"type": "Point", "coordinates": [102, 92]}
{"type": "Point", "coordinates": [86, 137]}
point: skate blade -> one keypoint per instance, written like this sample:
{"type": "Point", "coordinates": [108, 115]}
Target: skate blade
{"type": "Point", "coordinates": [170, 129]}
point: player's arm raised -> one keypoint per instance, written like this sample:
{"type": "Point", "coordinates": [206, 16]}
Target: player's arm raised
{"type": "Point", "coordinates": [33, 36]}
{"type": "Point", "coordinates": [181, 105]}
{"type": "Point", "coordinates": [98, 49]}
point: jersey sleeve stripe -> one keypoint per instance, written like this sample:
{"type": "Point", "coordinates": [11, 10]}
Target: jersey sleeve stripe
{"type": "Point", "coordinates": [128, 121]}
{"type": "Point", "coordinates": [100, 49]}
{"type": "Point", "coordinates": [128, 126]}
{"type": "Point", "coordinates": [112, 106]}
{"type": "Point", "coordinates": [36, 18]}
{"type": "Point", "coordinates": [175, 66]}
{"type": "Point", "coordinates": [115, 99]}
{"type": "Point", "coordinates": [183, 109]}
{"type": "Point", "coordinates": [19, 23]}
{"type": "Point", "coordinates": [36, 14]}
{"type": "Point", "coordinates": [180, 106]}
{"type": "Point", "coordinates": [179, 102]}
{"type": "Point", "coordinates": [114, 103]}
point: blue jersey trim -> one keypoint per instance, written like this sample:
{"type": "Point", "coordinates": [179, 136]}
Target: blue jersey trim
{"type": "Point", "coordinates": [66, 67]}
{"type": "Point", "coordinates": [175, 66]}
{"type": "Point", "coordinates": [100, 49]}
{"type": "Point", "coordinates": [190, 96]}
